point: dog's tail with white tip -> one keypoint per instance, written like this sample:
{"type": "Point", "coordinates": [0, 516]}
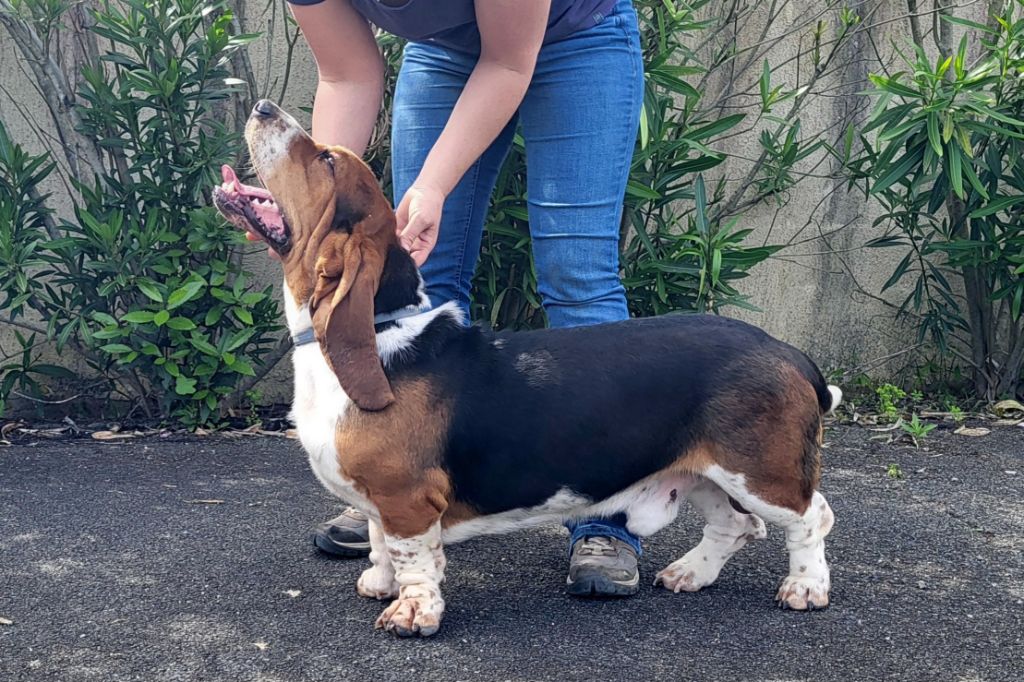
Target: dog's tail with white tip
{"type": "Point", "coordinates": [837, 397]}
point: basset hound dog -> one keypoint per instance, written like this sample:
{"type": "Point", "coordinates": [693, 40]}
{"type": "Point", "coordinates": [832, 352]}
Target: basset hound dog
{"type": "Point", "coordinates": [440, 431]}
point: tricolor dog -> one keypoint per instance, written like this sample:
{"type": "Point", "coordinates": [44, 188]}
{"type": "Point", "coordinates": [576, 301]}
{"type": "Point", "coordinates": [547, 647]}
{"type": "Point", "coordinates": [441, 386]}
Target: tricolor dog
{"type": "Point", "coordinates": [440, 432]}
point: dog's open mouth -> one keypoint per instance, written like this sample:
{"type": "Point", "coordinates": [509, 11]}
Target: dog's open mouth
{"type": "Point", "coordinates": [252, 209]}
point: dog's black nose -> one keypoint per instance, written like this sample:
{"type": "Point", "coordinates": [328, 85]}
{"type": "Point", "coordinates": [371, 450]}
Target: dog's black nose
{"type": "Point", "coordinates": [264, 108]}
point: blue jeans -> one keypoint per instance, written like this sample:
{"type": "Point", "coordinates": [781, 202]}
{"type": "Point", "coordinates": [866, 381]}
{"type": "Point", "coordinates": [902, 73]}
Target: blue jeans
{"type": "Point", "coordinates": [579, 121]}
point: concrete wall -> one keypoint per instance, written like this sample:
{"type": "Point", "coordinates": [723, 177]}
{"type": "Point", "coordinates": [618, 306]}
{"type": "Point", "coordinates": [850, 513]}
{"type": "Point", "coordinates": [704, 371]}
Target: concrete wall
{"type": "Point", "coordinates": [807, 295]}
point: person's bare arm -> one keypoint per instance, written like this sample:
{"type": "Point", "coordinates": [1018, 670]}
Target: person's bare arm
{"type": "Point", "coordinates": [351, 76]}
{"type": "Point", "coordinates": [511, 34]}
{"type": "Point", "coordinates": [350, 69]}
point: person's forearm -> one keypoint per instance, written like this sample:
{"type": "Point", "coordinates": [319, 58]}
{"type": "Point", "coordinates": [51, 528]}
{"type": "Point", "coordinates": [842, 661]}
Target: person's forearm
{"type": "Point", "coordinates": [344, 113]}
{"type": "Point", "coordinates": [491, 96]}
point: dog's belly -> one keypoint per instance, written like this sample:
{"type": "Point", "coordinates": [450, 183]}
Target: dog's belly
{"type": "Point", "coordinates": [649, 505]}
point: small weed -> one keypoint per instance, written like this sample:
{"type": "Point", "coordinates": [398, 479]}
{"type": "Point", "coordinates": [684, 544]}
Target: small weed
{"type": "Point", "coordinates": [955, 412]}
{"type": "Point", "coordinates": [894, 471]}
{"type": "Point", "coordinates": [253, 398]}
{"type": "Point", "coordinates": [916, 428]}
{"type": "Point", "coordinates": [917, 396]}
{"type": "Point", "coordinates": [888, 397]}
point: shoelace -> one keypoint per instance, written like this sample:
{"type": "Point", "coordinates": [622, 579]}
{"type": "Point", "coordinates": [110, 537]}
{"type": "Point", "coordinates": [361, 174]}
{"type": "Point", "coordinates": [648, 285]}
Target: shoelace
{"type": "Point", "coordinates": [597, 546]}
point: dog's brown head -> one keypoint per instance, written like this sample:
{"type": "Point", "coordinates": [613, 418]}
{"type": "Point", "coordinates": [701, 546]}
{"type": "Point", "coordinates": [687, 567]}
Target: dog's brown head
{"type": "Point", "coordinates": [334, 230]}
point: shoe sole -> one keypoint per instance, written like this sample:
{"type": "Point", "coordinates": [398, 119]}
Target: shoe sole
{"type": "Point", "coordinates": [348, 550]}
{"type": "Point", "coordinates": [601, 586]}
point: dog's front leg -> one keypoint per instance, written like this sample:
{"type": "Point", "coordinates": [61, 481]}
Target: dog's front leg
{"type": "Point", "coordinates": [378, 581]}
{"type": "Point", "coordinates": [419, 564]}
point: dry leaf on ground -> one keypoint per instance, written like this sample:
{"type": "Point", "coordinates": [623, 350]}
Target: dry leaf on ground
{"type": "Point", "coordinates": [974, 432]}
{"type": "Point", "coordinates": [1008, 409]}
{"type": "Point", "coordinates": [7, 428]}
{"type": "Point", "coordinates": [112, 435]}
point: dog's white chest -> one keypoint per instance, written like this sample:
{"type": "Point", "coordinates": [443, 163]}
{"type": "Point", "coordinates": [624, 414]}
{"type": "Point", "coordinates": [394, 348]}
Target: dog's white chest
{"type": "Point", "coordinates": [319, 405]}
{"type": "Point", "coordinates": [317, 408]}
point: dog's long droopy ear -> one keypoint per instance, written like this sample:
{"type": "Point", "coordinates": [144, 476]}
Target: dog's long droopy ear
{"type": "Point", "coordinates": [348, 271]}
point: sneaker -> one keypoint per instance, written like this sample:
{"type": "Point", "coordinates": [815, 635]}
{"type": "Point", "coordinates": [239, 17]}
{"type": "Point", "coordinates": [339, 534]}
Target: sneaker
{"type": "Point", "coordinates": [602, 567]}
{"type": "Point", "coordinates": [346, 536]}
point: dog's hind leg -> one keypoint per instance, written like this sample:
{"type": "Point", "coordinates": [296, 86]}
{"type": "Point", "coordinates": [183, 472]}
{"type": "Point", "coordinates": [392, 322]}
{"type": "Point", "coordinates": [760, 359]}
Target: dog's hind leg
{"type": "Point", "coordinates": [726, 532]}
{"type": "Point", "coordinates": [807, 586]}
{"type": "Point", "coordinates": [378, 581]}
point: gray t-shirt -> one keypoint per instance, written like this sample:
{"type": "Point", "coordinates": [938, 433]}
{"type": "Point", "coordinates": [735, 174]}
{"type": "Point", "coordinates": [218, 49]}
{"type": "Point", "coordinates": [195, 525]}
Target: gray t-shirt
{"type": "Point", "coordinates": [452, 23]}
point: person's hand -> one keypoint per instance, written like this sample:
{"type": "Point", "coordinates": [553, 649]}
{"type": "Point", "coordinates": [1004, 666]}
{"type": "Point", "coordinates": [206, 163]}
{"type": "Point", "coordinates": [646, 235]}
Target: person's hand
{"type": "Point", "coordinates": [253, 237]}
{"type": "Point", "coordinates": [418, 220]}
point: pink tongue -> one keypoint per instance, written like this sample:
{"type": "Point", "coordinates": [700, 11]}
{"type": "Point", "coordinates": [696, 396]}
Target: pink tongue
{"type": "Point", "coordinates": [227, 173]}
{"type": "Point", "coordinates": [270, 216]}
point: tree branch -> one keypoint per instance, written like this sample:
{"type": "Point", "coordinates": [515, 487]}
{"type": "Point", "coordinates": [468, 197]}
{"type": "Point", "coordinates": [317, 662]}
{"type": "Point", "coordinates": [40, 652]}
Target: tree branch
{"type": "Point", "coordinates": [82, 154]}
{"type": "Point", "coordinates": [267, 365]}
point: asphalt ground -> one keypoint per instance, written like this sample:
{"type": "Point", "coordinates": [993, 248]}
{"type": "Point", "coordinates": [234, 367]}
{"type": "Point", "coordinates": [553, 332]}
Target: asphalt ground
{"type": "Point", "coordinates": [190, 559]}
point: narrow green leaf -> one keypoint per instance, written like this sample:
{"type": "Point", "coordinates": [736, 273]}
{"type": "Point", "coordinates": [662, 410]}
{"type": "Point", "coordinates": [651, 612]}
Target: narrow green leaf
{"type": "Point", "coordinates": [716, 128]}
{"type": "Point", "coordinates": [637, 190]}
{"type": "Point", "coordinates": [213, 316]}
{"type": "Point", "coordinates": [894, 86]}
{"type": "Point", "coordinates": [645, 129]}
{"type": "Point", "coordinates": [898, 170]}
{"type": "Point", "coordinates": [900, 270]}
{"type": "Point", "coordinates": [243, 367]}
{"type": "Point", "coordinates": [967, 22]}
{"type": "Point", "coordinates": [150, 290]}
{"type": "Point", "coordinates": [181, 323]}
{"type": "Point", "coordinates": [185, 293]}
{"type": "Point", "coordinates": [765, 84]}
{"type": "Point", "coordinates": [701, 205]}
{"type": "Point", "coordinates": [243, 315]}
{"type": "Point", "coordinates": [997, 205]}
{"type": "Point", "coordinates": [104, 319]}
{"type": "Point", "coordinates": [138, 317]}
{"type": "Point", "coordinates": [934, 138]}
{"type": "Point", "coordinates": [956, 178]}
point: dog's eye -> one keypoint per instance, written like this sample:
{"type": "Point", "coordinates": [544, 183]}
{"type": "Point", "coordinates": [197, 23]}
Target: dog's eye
{"type": "Point", "coordinates": [328, 158]}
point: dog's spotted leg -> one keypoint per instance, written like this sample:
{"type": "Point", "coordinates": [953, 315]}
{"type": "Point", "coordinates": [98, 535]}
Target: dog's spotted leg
{"type": "Point", "coordinates": [378, 581]}
{"type": "Point", "coordinates": [419, 570]}
{"type": "Point", "coordinates": [807, 585]}
{"type": "Point", "coordinates": [726, 532]}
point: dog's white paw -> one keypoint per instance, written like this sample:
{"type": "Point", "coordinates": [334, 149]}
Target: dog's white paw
{"type": "Point", "coordinates": [417, 611]}
{"type": "Point", "coordinates": [804, 593]}
{"type": "Point", "coordinates": [687, 575]}
{"type": "Point", "coordinates": [377, 583]}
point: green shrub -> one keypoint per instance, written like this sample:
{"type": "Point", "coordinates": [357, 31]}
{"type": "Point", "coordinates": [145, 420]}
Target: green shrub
{"type": "Point", "coordinates": [941, 154]}
{"type": "Point", "coordinates": [145, 280]}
